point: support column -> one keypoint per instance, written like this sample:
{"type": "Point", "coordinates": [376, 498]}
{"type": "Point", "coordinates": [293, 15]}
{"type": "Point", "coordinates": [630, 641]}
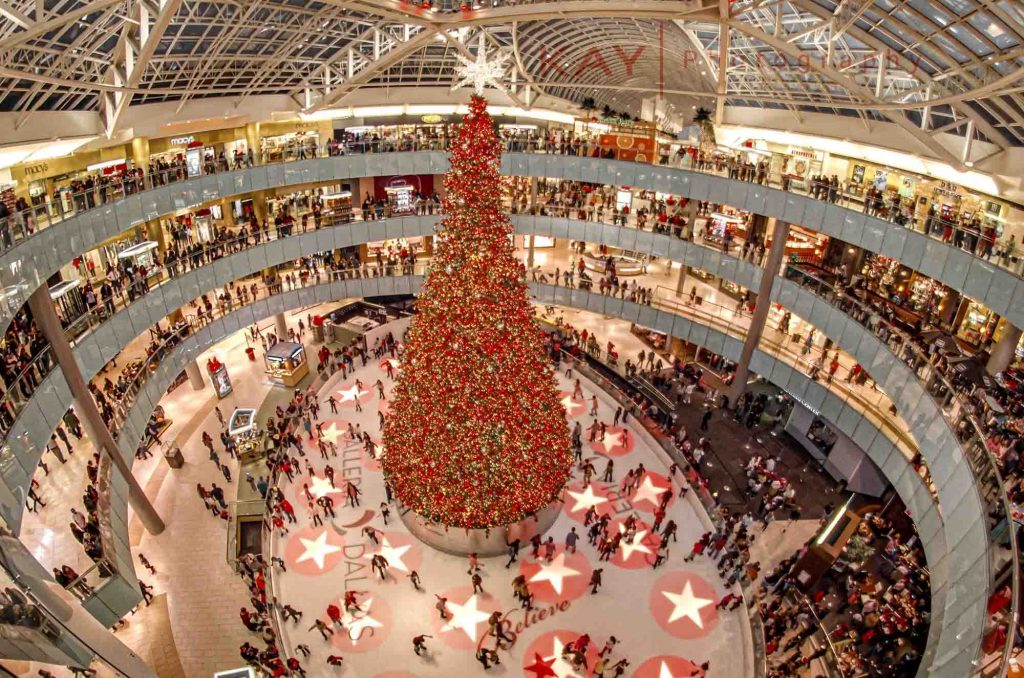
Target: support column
{"type": "Point", "coordinates": [195, 375]}
{"type": "Point", "coordinates": [691, 219]}
{"type": "Point", "coordinates": [1004, 350]}
{"type": "Point", "coordinates": [140, 153]}
{"type": "Point", "coordinates": [252, 140]}
{"type": "Point", "coordinates": [681, 281]}
{"type": "Point", "coordinates": [780, 232]}
{"type": "Point", "coordinates": [533, 204]}
{"type": "Point", "coordinates": [46, 319]}
{"type": "Point", "coordinates": [281, 327]}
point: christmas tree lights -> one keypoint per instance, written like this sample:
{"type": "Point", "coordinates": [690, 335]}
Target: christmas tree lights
{"type": "Point", "coordinates": [476, 436]}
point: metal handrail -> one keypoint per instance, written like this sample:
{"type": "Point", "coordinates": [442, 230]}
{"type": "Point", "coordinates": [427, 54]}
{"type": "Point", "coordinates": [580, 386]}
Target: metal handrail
{"type": "Point", "coordinates": [989, 467]}
{"type": "Point", "coordinates": [20, 224]}
{"type": "Point", "coordinates": [706, 500]}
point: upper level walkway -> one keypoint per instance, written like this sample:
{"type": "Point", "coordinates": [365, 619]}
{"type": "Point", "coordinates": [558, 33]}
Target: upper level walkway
{"type": "Point", "coordinates": [38, 243]}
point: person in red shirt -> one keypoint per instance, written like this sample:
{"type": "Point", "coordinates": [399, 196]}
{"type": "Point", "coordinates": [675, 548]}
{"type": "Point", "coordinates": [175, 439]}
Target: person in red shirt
{"type": "Point", "coordinates": [350, 600]}
{"type": "Point", "coordinates": [334, 613]}
{"type": "Point", "coordinates": [289, 512]}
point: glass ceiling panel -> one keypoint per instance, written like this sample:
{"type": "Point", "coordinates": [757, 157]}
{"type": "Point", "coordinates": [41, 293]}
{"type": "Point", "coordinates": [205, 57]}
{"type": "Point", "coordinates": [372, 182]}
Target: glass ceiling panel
{"type": "Point", "coordinates": [960, 7]}
{"type": "Point", "coordinates": [985, 23]}
{"type": "Point", "coordinates": [970, 41]}
{"type": "Point", "coordinates": [932, 10]}
{"type": "Point", "coordinates": [949, 48]}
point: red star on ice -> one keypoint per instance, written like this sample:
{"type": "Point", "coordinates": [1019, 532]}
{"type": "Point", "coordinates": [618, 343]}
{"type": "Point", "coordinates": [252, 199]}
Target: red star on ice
{"type": "Point", "coordinates": [541, 667]}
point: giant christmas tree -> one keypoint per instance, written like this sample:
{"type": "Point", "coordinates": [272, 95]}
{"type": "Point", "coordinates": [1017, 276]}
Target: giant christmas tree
{"type": "Point", "coordinates": [476, 436]}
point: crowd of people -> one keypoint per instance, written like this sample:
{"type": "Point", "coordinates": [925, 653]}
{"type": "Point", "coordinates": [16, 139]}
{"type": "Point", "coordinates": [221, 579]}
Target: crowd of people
{"type": "Point", "coordinates": [873, 604]}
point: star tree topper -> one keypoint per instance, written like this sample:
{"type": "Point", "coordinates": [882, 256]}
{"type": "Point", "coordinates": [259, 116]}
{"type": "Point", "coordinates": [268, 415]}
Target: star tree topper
{"type": "Point", "coordinates": [481, 72]}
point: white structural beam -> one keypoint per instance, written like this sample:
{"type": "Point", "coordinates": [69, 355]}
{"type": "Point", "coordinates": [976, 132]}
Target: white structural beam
{"type": "Point", "coordinates": [908, 63]}
{"type": "Point", "coordinates": [965, 155]}
{"type": "Point", "coordinates": [852, 19]}
{"type": "Point", "coordinates": [537, 11]}
{"type": "Point", "coordinates": [391, 53]}
{"type": "Point", "coordinates": [783, 47]}
{"type": "Point", "coordinates": [11, 14]}
{"type": "Point", "coordinates": [723, 60]}
{"type": "Point", "coordinates": [139, 39]}
{"type": "Point", "coordinates": [38, 29]}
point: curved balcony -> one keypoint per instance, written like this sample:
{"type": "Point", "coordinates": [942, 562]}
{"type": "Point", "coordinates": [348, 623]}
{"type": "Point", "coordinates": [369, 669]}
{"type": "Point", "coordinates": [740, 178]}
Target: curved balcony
{"type": "Point", "coordinates": [124, 326]}
{"type": "Point", "coordinates": [852, 422]}
{"type": "Point", "coordinates": [94, 351]}
{"type": "Point", "coordinates": [30, 260]}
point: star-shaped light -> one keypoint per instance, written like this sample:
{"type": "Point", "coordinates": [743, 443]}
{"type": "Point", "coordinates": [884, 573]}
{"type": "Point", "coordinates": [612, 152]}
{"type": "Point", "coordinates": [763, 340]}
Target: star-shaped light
{"type": "Point", "coordinates": [354, 625]}
{"type": "Point", "coordinates": [585, 499]}
{"type": "Point", "coordinates": [687, 604]}
{"type": "Point", "coordinates": [316, 550]}
{"type": "Point", "coordinates": [637, 545]}
{"type": "Point", "coordinates": [466, 617]}
{"type": "Point", "coordinates": [649, 491]}
{"type": "Point", "coordinates": [571, 406]}
{"type": "Point", "coordinates": [480, 72]}
{"type": "Point", "coordinates": [334, 431]}
{"type": "Point", "coordinates": [611, 441]}
{"type": "Point", "coordinates": [393, 554]}
{"type": "Point", "coordinates": [321, 487]}
{"type": "Point", "coordinates": [351, 394]}
{"type": "Point", "coordinates": [555, 572]}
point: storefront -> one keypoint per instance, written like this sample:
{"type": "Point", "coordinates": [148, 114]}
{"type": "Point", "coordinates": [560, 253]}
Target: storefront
{"type": "Point", "coordinates": [142, 254]}
{"type": "Point", "coordinates": [69, 302]}
{"type": "Point", "coordinates": [975, 324]}
{"type": "Point", "coordinates": [337, 207]}
{"type": "Point", "coordinates": [619, 139]}
{"type": "Point", "coordinates": [804, 245]}
{"type": "Point", "coordinates": [723, 227]}
{"type": "Point", "coordinates": [398, 249]}
{"type": "Point", "coordinates": [201, 152]}
{"type": "Point", "coordinates": [290, 140]}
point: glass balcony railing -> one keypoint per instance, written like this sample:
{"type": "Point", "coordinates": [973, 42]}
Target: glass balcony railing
{"type": "Point", "coordinates": [952, 399]}
{"type": "Point", "coordinates": [20, 224]}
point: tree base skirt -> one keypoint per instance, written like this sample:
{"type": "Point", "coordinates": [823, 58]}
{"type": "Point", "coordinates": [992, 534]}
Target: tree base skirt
{"type": "Point", "coordinates": [459, 541]}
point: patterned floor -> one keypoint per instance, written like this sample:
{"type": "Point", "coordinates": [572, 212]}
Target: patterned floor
{"type": "Point", "coordinates": [665, 619]}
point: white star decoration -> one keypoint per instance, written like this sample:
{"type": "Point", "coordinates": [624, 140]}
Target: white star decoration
{"type": "Point", "coordinates": [611, 441]}
{"type": "Point", "coordinates": [351, 394]}
{"type": "Point", "coordinates": [392, 553]}
{"type": "Point", "coordinates": [466, 617]}
{"type": "Point", "coordinates": [317, 550]}
{"type": "Point", "coordinates": [481, 72]}
{"type": "Point", "coordinates": [586, 499]}
{"type": "Point", "coordinates": [628, 549]}
{"type": "Point", "coordinates": [555, 572]}
{"type": "Point", "coordinates": [687, 604]}
{"type": "Point", "coordinates": [354, 625]}
{"type": "Point", "coordinates": [649, 491]}
{"type": "Point", "coordinates": [571, 406]}
{"type": "Point", "coordinates": [321, 487]}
